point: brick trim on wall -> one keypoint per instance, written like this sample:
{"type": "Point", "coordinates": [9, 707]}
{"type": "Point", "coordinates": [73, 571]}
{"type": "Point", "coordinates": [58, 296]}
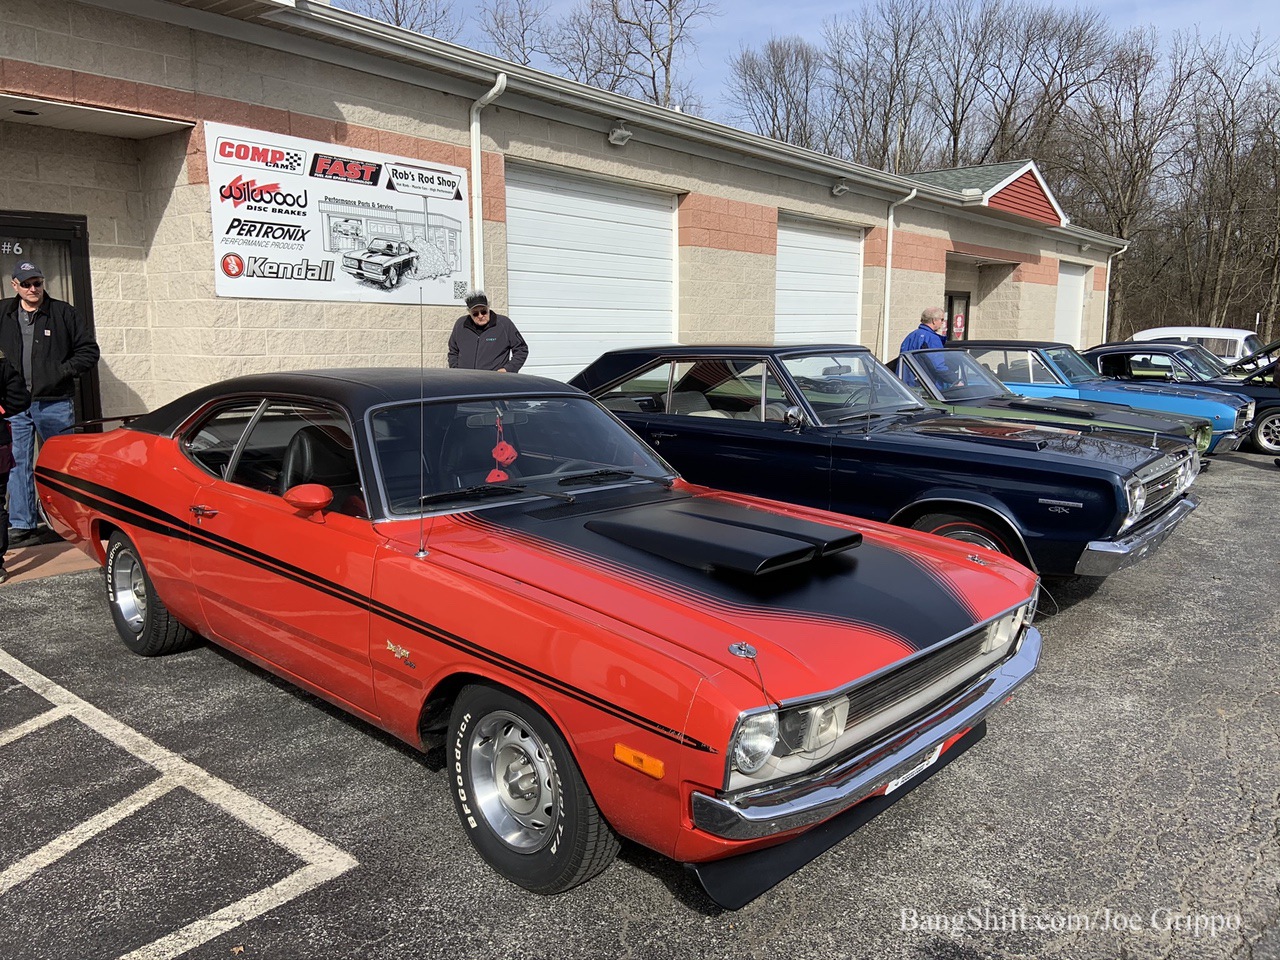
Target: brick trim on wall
{"type": "Point", "coordinates": [721, 224]}
{"type": "Point", "coordinates": [20, 78]}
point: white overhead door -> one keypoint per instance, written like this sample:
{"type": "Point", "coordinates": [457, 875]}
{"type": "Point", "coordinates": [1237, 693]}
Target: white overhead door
{"type": "Point", "coordinates": [1069, 315]}
{"type": "Point", "coordinates": [590, 267]}
{"type": "Point", "coordinates": [819, 284]}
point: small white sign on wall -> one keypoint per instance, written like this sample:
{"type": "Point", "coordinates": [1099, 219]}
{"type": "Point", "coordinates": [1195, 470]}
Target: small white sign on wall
{"type": "Point", "coordinates": [298, 219]}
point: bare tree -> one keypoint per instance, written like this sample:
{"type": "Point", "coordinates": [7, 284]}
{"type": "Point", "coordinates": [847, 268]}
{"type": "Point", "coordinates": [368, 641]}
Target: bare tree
{"type": "Point", "coordinates": [782, 91]}
{"type": "Point", "coordinates": [962, 34]}
{"type": "Point", "coordinates": [878, 58]}
{"type": "Point", "coordinates": [1121, 136]}
{"type": "Point", "coordinates": [435, 18]}
{"type": "Point", "coordinates": [516, 30]}
{"type": "Point", "coordinates": [590, 46]}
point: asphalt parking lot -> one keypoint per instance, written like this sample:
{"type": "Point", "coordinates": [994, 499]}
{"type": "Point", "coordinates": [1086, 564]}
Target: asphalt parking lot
{"type": "Point", "coordinates": [1126, 804]}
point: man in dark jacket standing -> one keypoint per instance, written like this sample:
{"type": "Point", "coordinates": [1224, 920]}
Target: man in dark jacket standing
{"type": "Point", "coordinates": [484, 340]}
{"type": "Point", "coordinates": [48, 341]}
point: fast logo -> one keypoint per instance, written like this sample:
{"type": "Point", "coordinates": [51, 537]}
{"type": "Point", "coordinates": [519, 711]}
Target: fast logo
{"type": "Point", "coordinates": [346, 170]}
{"type": "Point", "coordinates": [245, 154]}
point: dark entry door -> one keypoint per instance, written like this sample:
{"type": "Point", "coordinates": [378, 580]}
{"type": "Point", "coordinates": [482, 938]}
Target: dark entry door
{"type": "Point", "coordinates": [59, 245]}
{"type": "Point", "coordinates": [957, 315]}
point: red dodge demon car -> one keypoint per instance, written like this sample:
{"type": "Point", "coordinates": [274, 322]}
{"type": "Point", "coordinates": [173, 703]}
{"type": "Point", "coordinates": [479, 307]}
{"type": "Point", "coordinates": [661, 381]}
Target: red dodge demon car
{"type": "Point", "coordinates": [495, 565]}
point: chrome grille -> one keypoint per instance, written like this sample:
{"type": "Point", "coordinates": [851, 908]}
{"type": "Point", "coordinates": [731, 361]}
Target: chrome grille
{"type": "Point", "coordinates": [1166, 480]}
{"type": "Point", "coordinates": [1244, 415]}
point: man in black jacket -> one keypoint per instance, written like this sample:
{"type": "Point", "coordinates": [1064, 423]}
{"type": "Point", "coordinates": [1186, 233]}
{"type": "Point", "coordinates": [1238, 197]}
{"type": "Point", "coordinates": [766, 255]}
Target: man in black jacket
{"type": "Point", "coordinates": [49, 343]}
{"type": "Point", "coordinates": [484, 340]}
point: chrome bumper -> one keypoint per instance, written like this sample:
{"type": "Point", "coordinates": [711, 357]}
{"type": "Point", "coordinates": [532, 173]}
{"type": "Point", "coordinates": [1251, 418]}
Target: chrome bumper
{"type": "Point", "coordinates": [1103, 557]}
{"type": "Point", "coordinates": [1228, 442]}
{"type": "Point", "coordinates": [772, 811]}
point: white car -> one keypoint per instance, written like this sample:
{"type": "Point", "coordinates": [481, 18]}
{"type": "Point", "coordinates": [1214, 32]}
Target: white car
{"type": "Point", "coordinates": [1228, 344]}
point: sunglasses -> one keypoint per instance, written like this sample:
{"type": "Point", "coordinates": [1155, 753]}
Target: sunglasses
{"type": "Point", "coordinates": [29, 284]}
{"type": "Point", "coordinates": [479, 313]}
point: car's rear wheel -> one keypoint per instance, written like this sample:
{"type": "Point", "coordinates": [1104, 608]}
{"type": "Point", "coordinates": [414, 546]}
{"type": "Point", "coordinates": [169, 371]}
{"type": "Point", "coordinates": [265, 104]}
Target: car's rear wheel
{"type": "Point", "coordinates": [143, 621]}
{"type": "Point", "coordinates": [520, 795]}
{"type": "Point", "coordinates": [1266, 432]}
{"type": "Point", "coordinates": [968, 528]}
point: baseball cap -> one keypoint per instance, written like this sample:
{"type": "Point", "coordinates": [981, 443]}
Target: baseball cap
{"type": "Point", "coordinates": [25, 270]}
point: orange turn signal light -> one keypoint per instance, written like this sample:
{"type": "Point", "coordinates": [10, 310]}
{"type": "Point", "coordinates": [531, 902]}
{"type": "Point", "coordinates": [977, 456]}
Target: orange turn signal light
{"type": "Point", "coordinates": [649, 766]}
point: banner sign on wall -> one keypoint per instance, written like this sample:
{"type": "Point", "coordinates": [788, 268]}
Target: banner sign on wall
{"type": "Point", "coordinates": [298, 219]}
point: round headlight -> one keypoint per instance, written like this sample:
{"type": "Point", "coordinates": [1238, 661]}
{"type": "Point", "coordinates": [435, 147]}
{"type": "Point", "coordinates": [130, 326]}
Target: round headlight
{"type": "Point", "coordinates": [757, 736]}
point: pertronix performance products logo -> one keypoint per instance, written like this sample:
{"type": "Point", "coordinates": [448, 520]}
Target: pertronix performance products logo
{"type": "Point", "coordinates": [259, 155]}
{"type": "Point", "coordinates": [344, 169]}
{"type": "Point", "coordinates": [265, 197]}
{"type": "Point", "coordinates": [266, 230]}
{"type": "Point", "coordinates": [234, 265]}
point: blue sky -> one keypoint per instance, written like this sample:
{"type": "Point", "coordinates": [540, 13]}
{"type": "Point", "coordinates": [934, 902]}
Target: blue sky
{"type": "Point", "coordinates": [752, 22]}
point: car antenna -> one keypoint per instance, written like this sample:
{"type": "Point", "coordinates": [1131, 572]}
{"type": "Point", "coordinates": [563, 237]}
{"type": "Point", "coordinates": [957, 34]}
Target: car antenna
{"type": "Point", "coordinates": [422, 424]}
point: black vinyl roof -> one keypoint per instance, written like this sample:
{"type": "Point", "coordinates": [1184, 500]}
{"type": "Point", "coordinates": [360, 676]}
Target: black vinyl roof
{"type": "Point", "coordinates": [1140, 346]}
{"type": "Point", "coordinates": [355, 389]}
{"type": "Point", "coordinates": [617, 363]}
{"type": "Point", "coordinates": [1009, 344]}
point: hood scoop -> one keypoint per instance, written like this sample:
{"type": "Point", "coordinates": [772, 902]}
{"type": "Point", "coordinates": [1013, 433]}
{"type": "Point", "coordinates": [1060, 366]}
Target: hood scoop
{"type": "Point", "coordinates": [996, 434]}
{"type": "Point", "coordinates": [708, 535]}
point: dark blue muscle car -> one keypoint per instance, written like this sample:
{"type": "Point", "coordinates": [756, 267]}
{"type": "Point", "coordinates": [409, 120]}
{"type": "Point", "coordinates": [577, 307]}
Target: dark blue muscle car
{"type": "Point", "coordinates": [829, 426]}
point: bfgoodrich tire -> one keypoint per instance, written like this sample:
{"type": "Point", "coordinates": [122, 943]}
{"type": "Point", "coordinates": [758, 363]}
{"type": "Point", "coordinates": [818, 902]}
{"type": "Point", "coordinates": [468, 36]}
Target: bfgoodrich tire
{"type": "Point", "coordinates": [1266, 432]}
{"type": "Point", "coordinates": [519, 794]}
{"type": "Point", "coordinates": [143, 621]}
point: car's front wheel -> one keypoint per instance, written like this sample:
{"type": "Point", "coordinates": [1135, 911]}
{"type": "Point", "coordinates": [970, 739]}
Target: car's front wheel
{"type": "Point", "coordinates": [143, 621]}
{"type": "Point", "coordinates": [391, 279]}
{"type": "Point", "coordinates": [1266, 432]}
{"type": "Point", "coordinates": [968, 528]}
{"type": "Point", "coordinates": [520, 795]}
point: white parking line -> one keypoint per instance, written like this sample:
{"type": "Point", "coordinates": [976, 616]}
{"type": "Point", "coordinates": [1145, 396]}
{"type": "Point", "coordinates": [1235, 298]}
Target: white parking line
{"type": "Point", "coordinates": [323, 860]}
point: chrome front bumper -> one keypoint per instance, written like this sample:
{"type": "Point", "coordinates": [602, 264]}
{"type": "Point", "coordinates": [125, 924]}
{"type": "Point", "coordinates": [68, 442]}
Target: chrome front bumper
{"type": "Point", "coordinates": [1228, 442]}
{"type": "Point", "coordinates": [1104, 557]}
{"type": "Point", "coordinates": [767, 812]}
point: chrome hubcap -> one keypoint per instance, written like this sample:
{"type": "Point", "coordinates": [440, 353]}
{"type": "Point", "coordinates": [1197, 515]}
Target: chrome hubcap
{"type": "Point", "coordinates": [129, 590]}
{"type": "Point", "coordinates": [977, 538]}
{"type": "Point", "coordinates": [1269, 433]}
{"type": "Point", "coordinates": [515, 786]}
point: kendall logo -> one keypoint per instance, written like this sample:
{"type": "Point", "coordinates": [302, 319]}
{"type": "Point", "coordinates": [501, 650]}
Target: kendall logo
{"type": "Point", "coordinates": [245, 154]}
{"type": "Point", "coordinates": [348, 171]}
{"type": "Point", "coordinates": [274, 270]}
{"type": "Point", "coordinates": [240, 191]}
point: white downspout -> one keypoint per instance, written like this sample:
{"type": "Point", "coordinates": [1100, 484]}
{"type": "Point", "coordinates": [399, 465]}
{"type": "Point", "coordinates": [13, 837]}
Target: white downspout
{"type": "Point", "coordinates": [888, 275]}
{"type": "Point", "coordinates": [1106, 303]}
{"type": "Point", "coordinates": [477, 193]}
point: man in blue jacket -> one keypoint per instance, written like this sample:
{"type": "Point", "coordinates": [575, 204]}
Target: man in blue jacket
{"type": "Point", "coordinates": [49, 343]}
{"type": "Point", "coordinates": [927, 336]}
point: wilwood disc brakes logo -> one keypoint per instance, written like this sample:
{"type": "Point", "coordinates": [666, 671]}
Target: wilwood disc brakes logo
{"type": "Point", "coordinates": [267, 197]}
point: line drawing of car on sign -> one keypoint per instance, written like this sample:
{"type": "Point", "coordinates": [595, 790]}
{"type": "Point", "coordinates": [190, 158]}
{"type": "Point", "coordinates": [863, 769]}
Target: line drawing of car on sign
{"type": "Point", "coordinates": [383, 262]}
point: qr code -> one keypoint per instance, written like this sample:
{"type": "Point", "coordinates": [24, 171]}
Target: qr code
{"type": "Point", "coordinates": [459, 289]}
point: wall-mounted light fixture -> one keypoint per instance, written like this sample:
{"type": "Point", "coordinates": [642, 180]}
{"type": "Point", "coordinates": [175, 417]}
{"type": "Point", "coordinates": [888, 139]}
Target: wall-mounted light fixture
{"type": "Point", "coordinates": [1086, 247]}
{"type": "Point", "coordinates": [619, 134]}
{"type": "Point", "coordinates": [839, 188]}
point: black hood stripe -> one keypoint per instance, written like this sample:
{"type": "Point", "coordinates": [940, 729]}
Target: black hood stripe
{"type": "Point", "coordinates": [894, 594]}
{"type": "Point", "coordinates": [136, 513]}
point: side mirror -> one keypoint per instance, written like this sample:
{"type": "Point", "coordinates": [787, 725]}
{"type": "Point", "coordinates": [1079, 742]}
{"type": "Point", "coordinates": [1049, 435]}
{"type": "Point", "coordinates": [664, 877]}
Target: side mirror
{"type": "Point", "coordinates": [310, 500]}
{"type": "Point", "coordinates": [795, 419]}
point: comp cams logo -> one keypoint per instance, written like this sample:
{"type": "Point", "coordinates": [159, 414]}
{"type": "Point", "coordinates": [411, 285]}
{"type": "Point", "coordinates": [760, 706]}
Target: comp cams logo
{"type": "Point", "coordinates": [266, 197]}
{"type": "Point", "coordinates": [263, 268]}
{"type": "Point", "coordinates": [344, 169]}
{"type": "Point", "coordinates": [260, 155]}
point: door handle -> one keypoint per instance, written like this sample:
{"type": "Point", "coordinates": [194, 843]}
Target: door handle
{"type": "Point", "coordinates": [202, 511]}
{"type": "Point", "coordinates": [661, 435]}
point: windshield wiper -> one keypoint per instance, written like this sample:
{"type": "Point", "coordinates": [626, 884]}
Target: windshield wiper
{"type": "Point", "coordinates": [611, 473]}
{"type": "Point", "coordinates": [491, 490]}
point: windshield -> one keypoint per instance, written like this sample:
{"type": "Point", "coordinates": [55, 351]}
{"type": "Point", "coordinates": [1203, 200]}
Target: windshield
{"type": "Point", "coordinates": [449, 453]}
{"type": "Point", "coordinates": [1202, 363]}
{"type": "Point", "coordinates": [847, 386]}
{"type": "Point", "coordinates": [953, 375]}
{"type": "Point", "coordinates": [1073, 366]}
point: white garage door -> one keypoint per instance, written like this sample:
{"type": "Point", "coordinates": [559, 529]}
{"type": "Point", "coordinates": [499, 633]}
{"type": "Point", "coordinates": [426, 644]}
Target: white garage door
{"type": "Point", "coordinates": [590, 266]}
{"type": "Point", "coordinates": [819, 284]}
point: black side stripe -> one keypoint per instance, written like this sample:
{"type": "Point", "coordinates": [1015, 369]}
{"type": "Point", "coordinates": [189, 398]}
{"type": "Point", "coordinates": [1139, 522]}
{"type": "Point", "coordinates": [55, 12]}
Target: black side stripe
{"type": "Point", "coordinates": [144, 516]}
